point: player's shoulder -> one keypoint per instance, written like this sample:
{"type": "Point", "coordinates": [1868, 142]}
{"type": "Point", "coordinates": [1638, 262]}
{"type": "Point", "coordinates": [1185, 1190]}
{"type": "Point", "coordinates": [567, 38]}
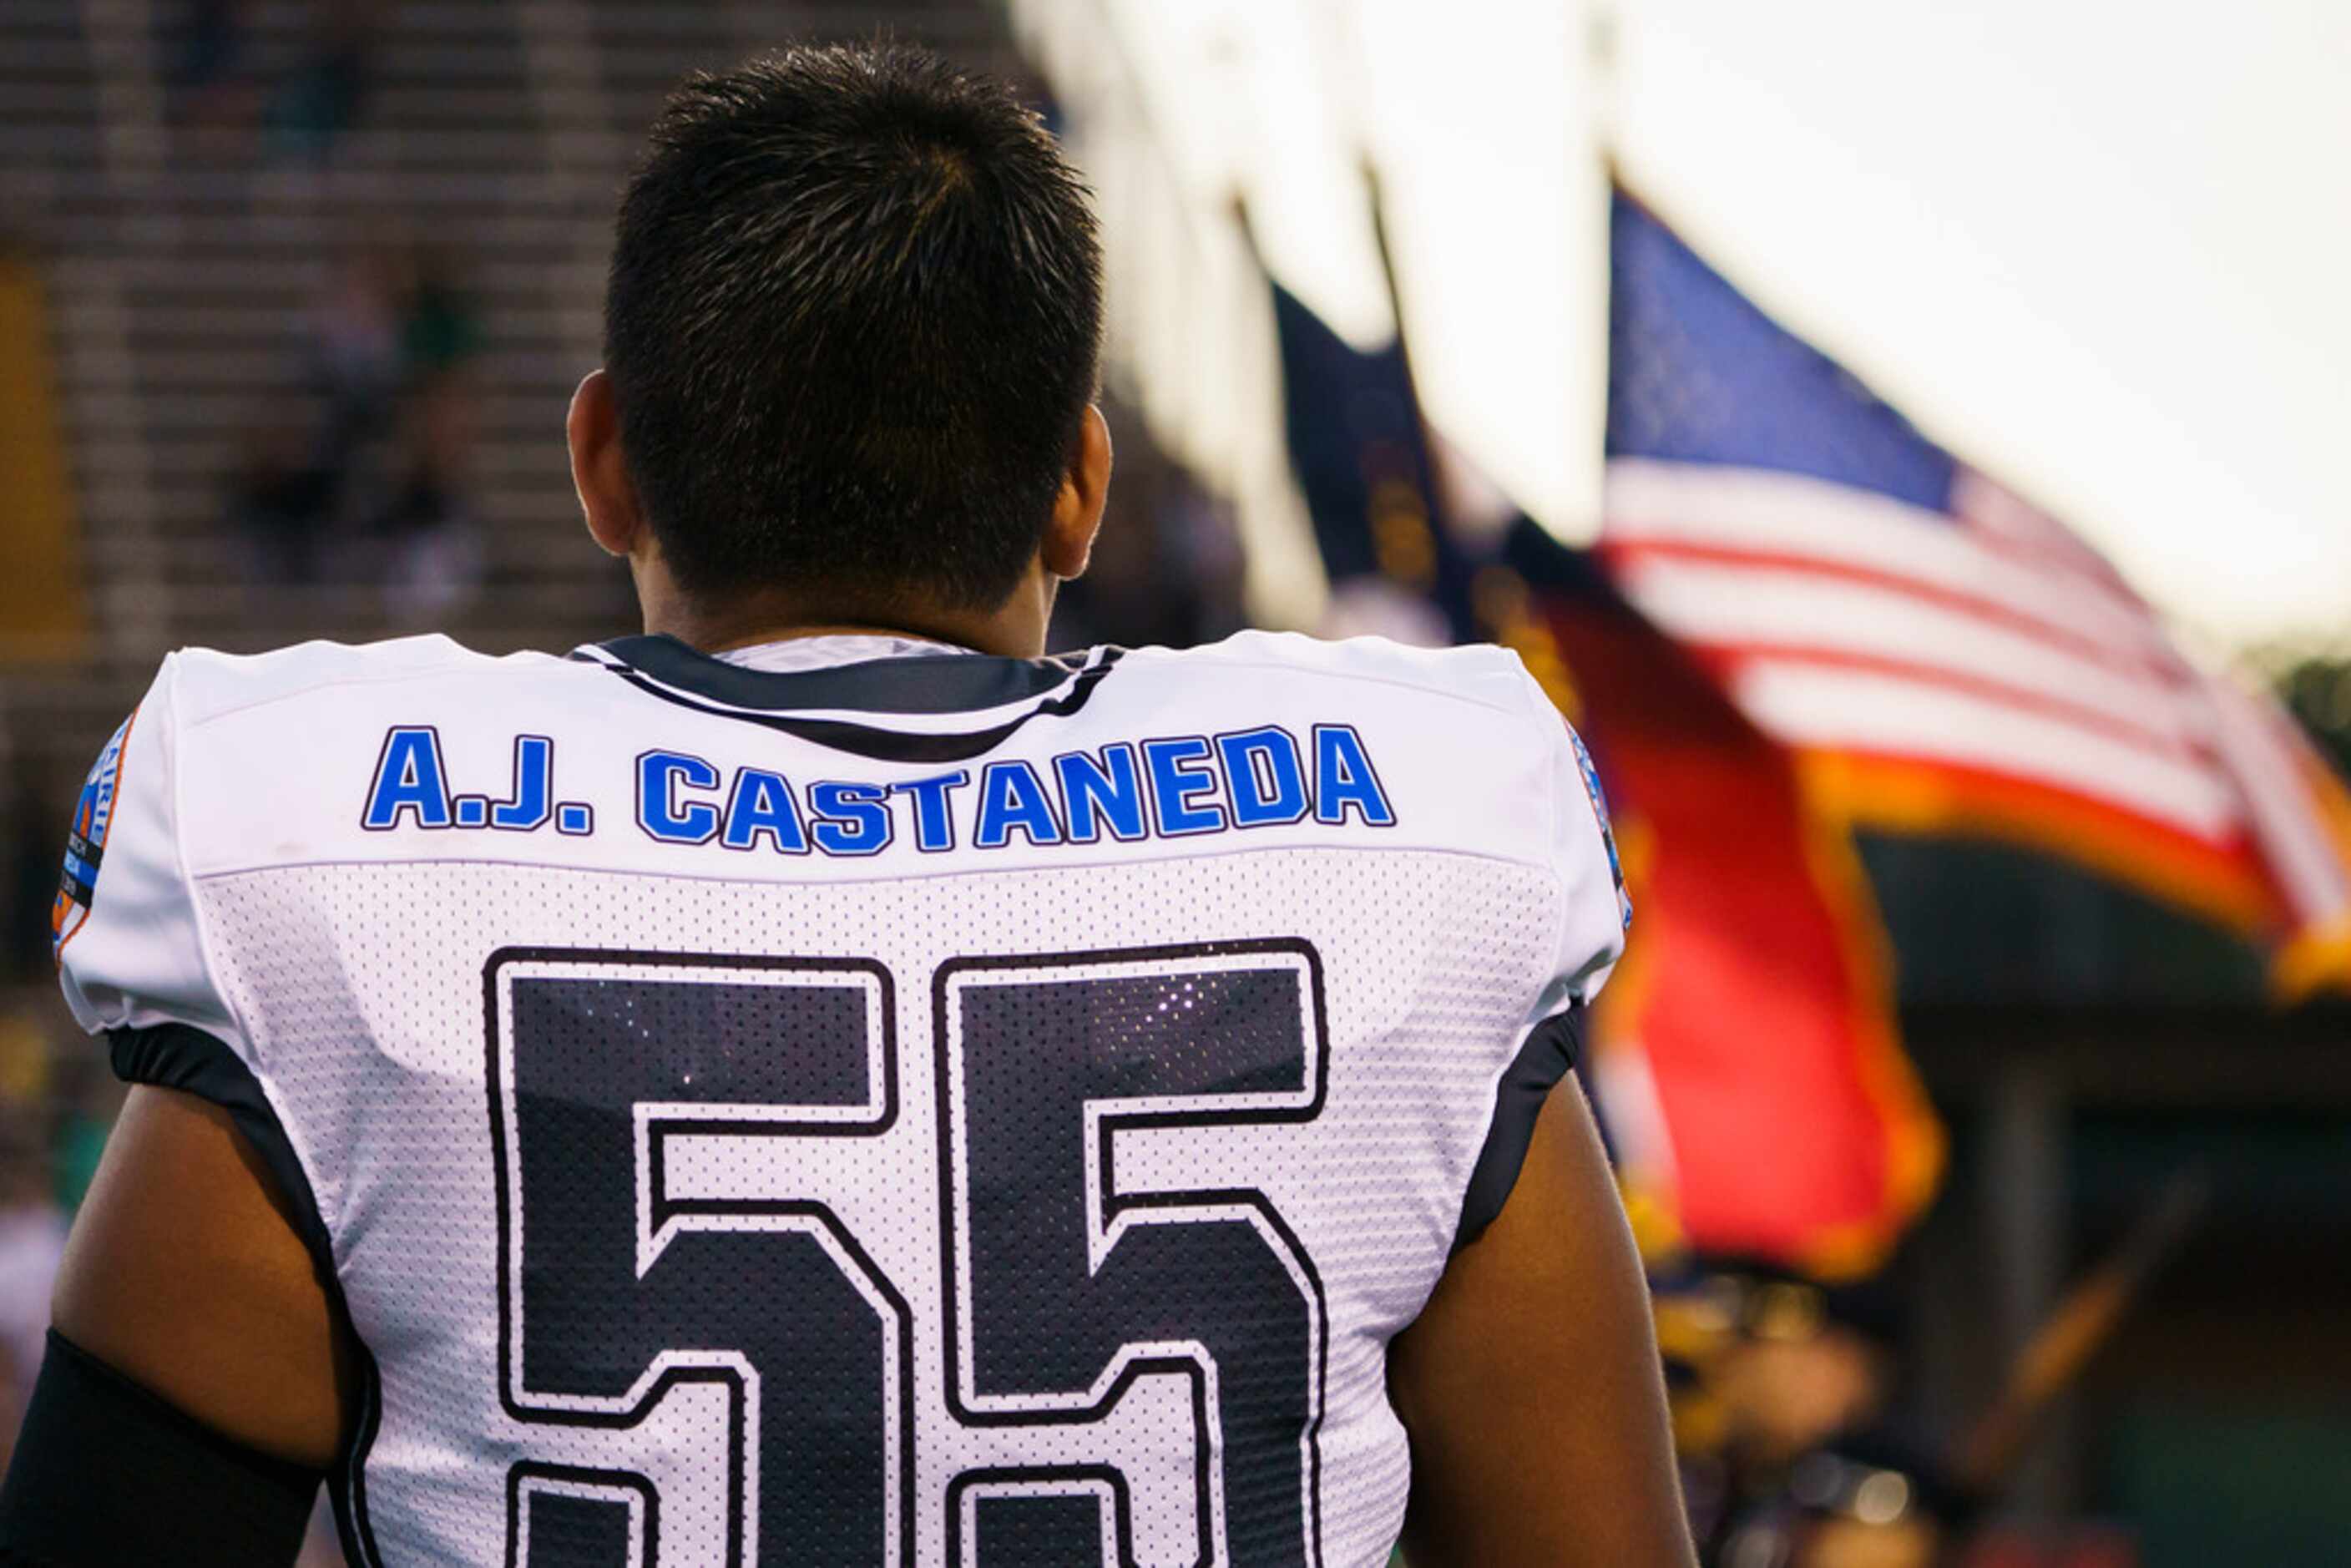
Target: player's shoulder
{"type": "Point", "coordinates": [1480, 674]}
{"type": "Point", "coordinates": [205, 685]}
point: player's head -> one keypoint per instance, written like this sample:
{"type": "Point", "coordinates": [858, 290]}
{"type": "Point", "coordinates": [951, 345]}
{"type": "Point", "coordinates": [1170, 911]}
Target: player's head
{"type": "Point", "coordinates": [850, 340]}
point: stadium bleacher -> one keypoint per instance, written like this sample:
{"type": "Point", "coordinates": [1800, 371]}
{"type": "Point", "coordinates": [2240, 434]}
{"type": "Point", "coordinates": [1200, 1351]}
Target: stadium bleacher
{"type": "Point", "coordinates": [180, 270]}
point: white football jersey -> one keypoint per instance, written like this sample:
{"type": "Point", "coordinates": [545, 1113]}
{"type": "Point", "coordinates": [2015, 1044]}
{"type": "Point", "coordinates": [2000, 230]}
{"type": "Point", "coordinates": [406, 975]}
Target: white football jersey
{"type": "Point", "coordinates": [914, 1110]}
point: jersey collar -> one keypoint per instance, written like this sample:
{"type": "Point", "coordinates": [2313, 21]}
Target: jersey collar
{"type": "Point", "coordinates": [789, 655]}
{"type": "Point", "coordinates": [914, 683]}
{"type": "Point", "coordinates": [895, 709]}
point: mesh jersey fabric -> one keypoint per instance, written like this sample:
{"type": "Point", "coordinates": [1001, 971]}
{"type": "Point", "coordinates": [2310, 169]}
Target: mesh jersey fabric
{"type": "Point", "coordinates": [715, 1176]}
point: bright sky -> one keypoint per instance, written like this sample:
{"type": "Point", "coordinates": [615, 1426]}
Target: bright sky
{"type": "Point", "coordinates": [2102, 249]}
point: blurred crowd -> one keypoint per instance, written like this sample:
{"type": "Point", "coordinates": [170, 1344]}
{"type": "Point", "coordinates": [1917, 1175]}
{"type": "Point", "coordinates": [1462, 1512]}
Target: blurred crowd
{"type": "Point", "coordinates": [354, 467]}
{"type": "Point", "coordinates": [224, 101]}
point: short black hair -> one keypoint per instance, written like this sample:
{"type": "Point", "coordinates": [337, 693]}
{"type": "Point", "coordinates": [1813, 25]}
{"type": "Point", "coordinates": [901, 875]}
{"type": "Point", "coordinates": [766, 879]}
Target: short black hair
{"type": "Point", "coordinates": [853, 325]}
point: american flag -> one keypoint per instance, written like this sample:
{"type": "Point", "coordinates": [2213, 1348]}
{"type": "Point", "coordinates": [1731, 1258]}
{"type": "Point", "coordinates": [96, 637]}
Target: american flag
{"type": "Point", "coordinates": [1947, 657]}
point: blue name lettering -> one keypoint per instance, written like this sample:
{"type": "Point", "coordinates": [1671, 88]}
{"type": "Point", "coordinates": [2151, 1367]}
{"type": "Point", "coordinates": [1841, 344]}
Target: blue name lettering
{"type": "Point", "coordinates": [761, 803]}
{"type": "Point", "coordinates": [1264, 777]}
{"type": "Point", "coordinates": [1166, 787]}
{"type": "Point", "coordinates": [532, 802]}
{"type": "Point", "coordinates": [1098, 795]}
{"type": "Point", "coordinates": [934, 821]}
{"type": "Point", "coordinates": [851, 818]}
{"type": "Point", "coordinates": [661, 774]}
{"type": "Point", "coordinates": [1011, 796]}
{"type": "Point", "coordinates": [409, 776]}
{"type": "Point", "coordinates": [1344, 777]}
{"type": "Point", "coordinates": [1179, 776]}
{"type": "Point", "coordinates": [411, 786]}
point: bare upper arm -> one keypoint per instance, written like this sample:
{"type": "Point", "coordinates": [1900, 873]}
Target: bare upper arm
{"type": "Point", "coordinates": [185, 1274]}
{"type": "Point", "coordinates": [1531, 1384]}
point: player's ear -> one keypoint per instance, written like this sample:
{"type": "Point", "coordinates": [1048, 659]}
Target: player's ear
{"type": "Point", "coordinates": [1078, 509]}
{"type": "Point", "coordinates": [607, 495]}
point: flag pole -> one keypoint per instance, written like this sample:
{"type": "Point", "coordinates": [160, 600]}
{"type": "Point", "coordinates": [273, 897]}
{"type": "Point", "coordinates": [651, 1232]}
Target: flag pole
{"type": "Point", "coordinates": [1602, 43]}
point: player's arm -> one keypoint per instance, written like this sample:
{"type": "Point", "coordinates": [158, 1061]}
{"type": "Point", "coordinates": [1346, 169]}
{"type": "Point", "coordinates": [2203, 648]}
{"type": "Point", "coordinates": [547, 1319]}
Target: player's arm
{"type": "Point", "coordinates": [194, 1384]}
{"type": "Point", "coordinates": [1531, 1384]}
{"type": "Point", "coordinates": [199, 1380]}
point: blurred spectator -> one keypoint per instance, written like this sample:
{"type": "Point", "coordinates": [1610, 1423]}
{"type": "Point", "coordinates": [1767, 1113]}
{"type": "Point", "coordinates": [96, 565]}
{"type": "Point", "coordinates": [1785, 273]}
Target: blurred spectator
{"type": "Point", "coordinates": [1856, 1503]}
{"type": "Point", "coordinates": [289, 491]}
{"type": "Point", "coordinates": [356, 351]}
{"type": "Point", "coordinates": [434, 555]}
{"type": "Point", "coordinates": [1785, 1363]}
{"type": "Point", "coordinates": [283, 492]}
{"type": "Point", "coordinates": [362, 471]}
{"type": "Point", "coordinates": [311, 110]}
{"type": "Point", "coordinates": [1775, 1379]}
{"type": "Point", "coordinates": [211, 83]}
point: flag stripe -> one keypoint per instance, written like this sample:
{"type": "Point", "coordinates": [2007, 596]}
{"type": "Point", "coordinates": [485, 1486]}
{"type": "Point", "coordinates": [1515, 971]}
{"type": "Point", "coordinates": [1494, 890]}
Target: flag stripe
{"type": "Point", "coordinates": [2033, 535]}
{"type": "Point", "coordinates": [1726, 662]}
{"type": "Point", "coordinates": [1867, 711]}
{"type": "Point", "coordinates": [2279, 804]}
{"type": "Point", "coordinates": [1843, 618]}
{"type": "Point", "coordinates": [1831, 526]}
{"type": "Point", "coordinates": [1620, 554]}
{"type": "Point", "coordinates": [2221, 882]}
{"type": "Point", "coordinates": [1790, 609]}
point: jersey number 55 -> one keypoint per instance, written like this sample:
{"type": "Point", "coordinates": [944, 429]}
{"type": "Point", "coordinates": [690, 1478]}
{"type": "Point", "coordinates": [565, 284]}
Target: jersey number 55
{"type": "Point", "coordinates": [1127, 1347]}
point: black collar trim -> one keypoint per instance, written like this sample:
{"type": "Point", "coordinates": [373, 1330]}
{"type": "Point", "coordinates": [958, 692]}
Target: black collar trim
{"type": "Point", "coordinates": [910, 682]}
{"type": "Point", "coordinates": [918, 684]}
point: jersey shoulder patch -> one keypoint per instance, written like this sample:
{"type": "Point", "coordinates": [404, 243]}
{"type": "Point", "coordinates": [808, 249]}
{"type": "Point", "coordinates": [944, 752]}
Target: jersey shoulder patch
{"type": "Point", "coordinates": [86, 836]}
{"type": "Point", "coordinates": [128, 948]}
{"type": "Point", "coordinates": [1592, 788]}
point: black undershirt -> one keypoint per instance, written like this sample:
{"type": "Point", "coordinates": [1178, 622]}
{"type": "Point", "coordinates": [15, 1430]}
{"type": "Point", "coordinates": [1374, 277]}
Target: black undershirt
{"type": "Point", "coordinates": [107, 1475]}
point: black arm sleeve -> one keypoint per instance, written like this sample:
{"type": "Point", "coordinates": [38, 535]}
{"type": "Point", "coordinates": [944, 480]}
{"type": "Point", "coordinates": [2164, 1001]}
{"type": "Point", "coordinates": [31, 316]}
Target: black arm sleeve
{"type": "Point", "coordinates": [107, 1475]}
{"type": "Point", "coordinates": [1548, 1055]}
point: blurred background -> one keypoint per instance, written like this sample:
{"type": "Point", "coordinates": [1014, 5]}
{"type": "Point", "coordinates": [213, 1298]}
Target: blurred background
{"type": "Point", "coordinates": [1905, 439]}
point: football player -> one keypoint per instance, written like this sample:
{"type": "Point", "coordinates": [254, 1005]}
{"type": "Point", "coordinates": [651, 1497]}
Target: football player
{"type": "Point", "coordinates": [820, 1081]}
